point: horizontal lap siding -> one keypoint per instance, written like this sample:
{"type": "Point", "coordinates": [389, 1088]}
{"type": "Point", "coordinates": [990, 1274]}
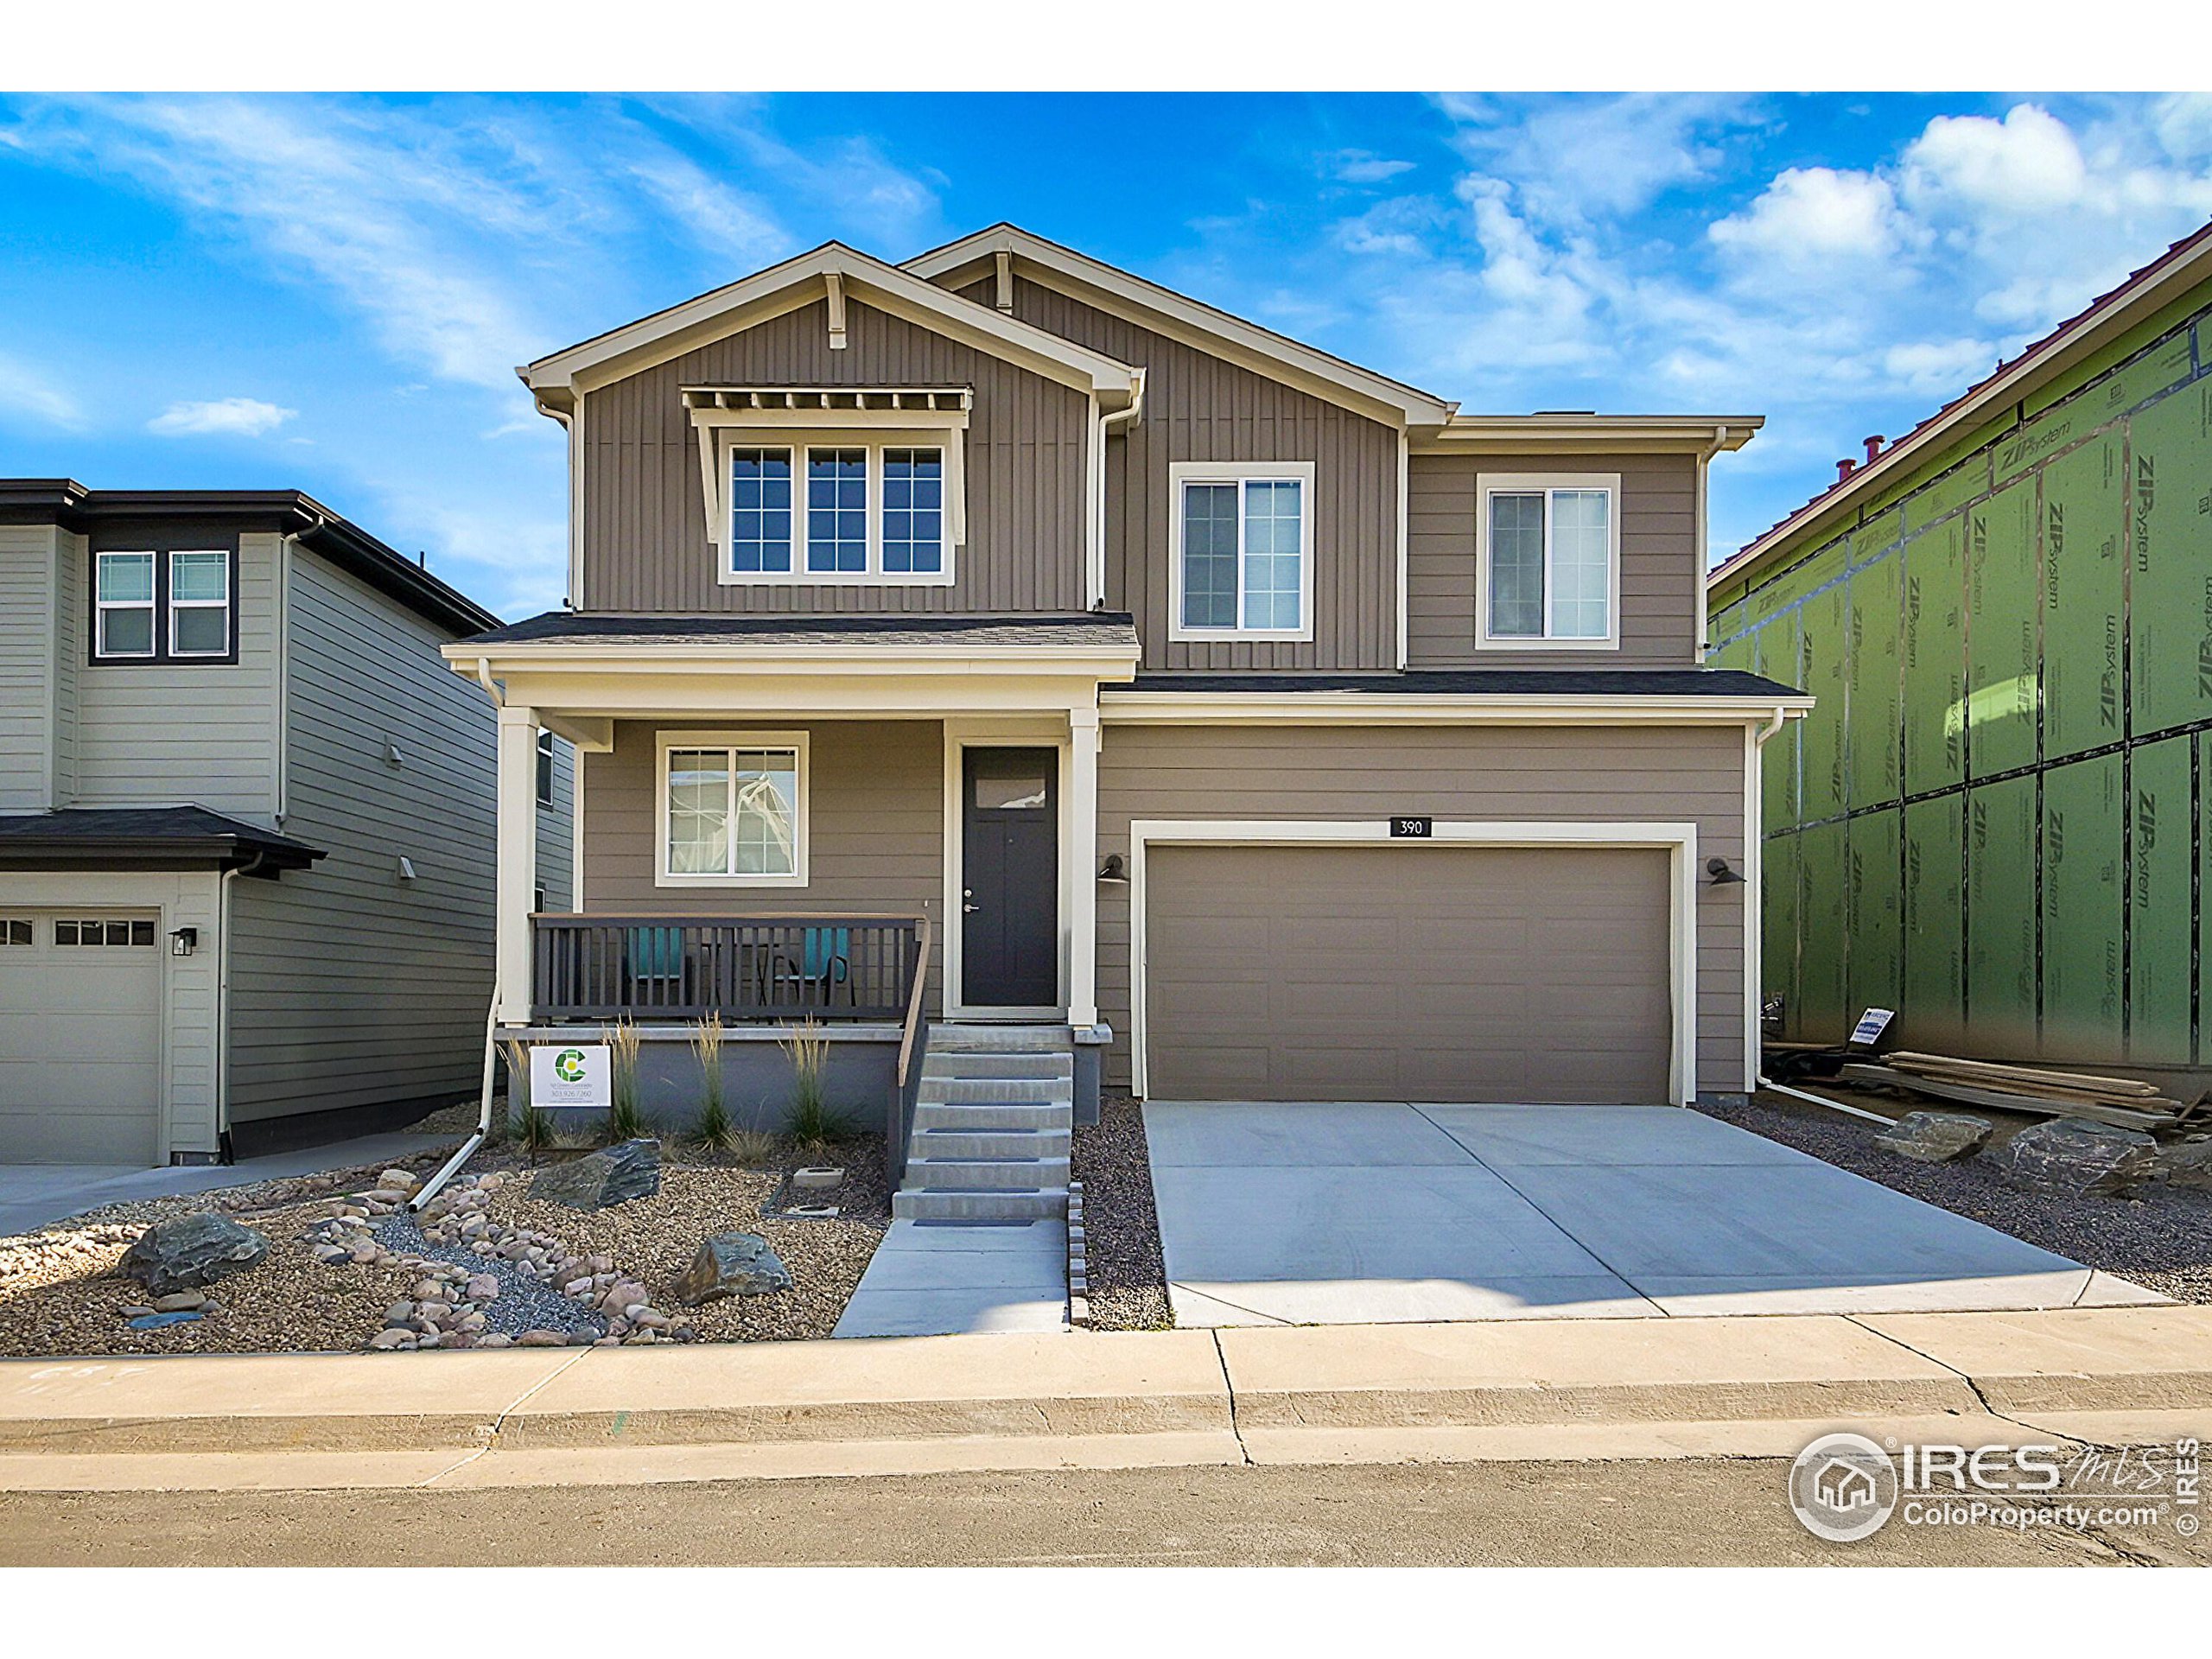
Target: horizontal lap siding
{"type": "Point", "coordinates": [1197, 407]}
{"type": "Point", "coordinates": [644, 519]}
{"type": "Point", "coordinates": [1609, 773]}
{"type": "Point", "coordinates": [875, 827]}
{"type": "Point", "coordinates": [350, 986]}
{"type": "Point", "coordinates": [1660, 564]}
{"type": "Point", "coordinates": [159, 734]}
{"type": "Point", "coordinates": [28, 558]}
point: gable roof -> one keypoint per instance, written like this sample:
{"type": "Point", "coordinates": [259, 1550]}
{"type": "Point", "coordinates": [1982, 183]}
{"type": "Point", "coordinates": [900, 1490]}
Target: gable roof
{"type": "Point", "coordinates": [558, 378]}
{"type": "Point", "coordinates": [1192, 321]}
{"type": "Point", "coordinates": [2105, 318]}
{"type": "Point", "coordinates": [66, 502]}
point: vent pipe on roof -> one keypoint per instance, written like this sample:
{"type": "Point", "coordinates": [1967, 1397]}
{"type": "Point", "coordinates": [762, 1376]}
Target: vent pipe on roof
{"type": "Point", "coordinates": [1874, 447]}
{"type": "Point", "coordinates": [1844, 469]}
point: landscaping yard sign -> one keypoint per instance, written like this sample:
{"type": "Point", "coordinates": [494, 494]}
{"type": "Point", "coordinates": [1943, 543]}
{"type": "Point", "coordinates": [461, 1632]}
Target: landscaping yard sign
{"type": "Point", "coordinates": [570, 1074]}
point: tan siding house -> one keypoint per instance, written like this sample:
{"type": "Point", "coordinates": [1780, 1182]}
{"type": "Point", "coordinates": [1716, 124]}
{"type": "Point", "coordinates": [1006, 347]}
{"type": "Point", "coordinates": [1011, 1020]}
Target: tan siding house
{"type": "Point", "coordinates": [1001, 641]}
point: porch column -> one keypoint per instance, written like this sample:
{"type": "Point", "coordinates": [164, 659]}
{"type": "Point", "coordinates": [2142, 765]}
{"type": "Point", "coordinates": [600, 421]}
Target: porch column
{"type": "Point", "coordinates": [518, 870]}
{"type": "Point", "coordinates": [1083, 861]}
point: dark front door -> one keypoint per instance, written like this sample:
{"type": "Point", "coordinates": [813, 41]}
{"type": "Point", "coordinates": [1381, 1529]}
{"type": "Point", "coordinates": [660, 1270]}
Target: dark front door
{"type": "Point", "coordinates": [1010, 864]}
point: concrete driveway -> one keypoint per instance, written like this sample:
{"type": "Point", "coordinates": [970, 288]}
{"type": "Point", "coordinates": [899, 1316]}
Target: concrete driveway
{"type": "Point", "coordinates": [1384, 1212]}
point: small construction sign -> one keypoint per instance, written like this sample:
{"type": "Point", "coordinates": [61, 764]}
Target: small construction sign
{"type": "Point", "coordinates": [570, 1074]}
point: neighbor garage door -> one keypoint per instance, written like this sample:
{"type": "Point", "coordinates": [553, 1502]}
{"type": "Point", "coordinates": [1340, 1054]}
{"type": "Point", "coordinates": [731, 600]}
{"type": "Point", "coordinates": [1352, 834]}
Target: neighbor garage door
{"type": "Point", "coordinates": [1413, 972]}
{"type": "Point", "coordinates": [81, 1037]}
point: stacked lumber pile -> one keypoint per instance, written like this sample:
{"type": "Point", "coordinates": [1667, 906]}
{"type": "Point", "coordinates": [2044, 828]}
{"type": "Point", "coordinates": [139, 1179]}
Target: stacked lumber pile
{"type": "Point", "coordinates": [2124, 1101]}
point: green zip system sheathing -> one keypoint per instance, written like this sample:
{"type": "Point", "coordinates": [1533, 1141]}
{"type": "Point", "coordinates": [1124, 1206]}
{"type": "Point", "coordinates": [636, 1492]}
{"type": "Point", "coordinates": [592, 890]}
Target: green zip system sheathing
{"type": "Point", "coordinates": [1996, 820]}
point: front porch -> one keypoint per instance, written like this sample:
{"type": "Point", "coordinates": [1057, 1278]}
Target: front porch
{"type": "Point", "coordinates": [864, 825]}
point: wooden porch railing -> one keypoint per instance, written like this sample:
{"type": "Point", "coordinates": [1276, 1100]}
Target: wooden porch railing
{"type": "Point", "coordinates": [906, 1084]}
{"type": "Point", "coordinates": [830, 967]}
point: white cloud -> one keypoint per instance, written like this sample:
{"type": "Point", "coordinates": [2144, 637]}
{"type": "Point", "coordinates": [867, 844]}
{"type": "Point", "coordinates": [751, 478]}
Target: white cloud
{"type": "Point", "coordinates": [1816, 213]}
{"type": "Point", "coordinates": [1573, 160]}
{"type": "Point", "coordinates": [1939, 368]}
{"type": "Point", "coordinates": [1363, 167]}
{"type": "Point", "coordinates": [242, 418]}
{"type": "Point", "coordinates": [25, 390]}
{"type": "Point", "coordinates": [2028, 162]}
{"type": "Point", "coordinates": [724, 220]}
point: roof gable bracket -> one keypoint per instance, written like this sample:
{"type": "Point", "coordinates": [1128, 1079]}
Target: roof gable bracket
{"type": "Point", "coordinates": [835, 282]}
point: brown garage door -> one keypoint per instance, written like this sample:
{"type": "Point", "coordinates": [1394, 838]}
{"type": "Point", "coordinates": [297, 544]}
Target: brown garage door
{"type": "Point", "coordinates": [1423, 972]}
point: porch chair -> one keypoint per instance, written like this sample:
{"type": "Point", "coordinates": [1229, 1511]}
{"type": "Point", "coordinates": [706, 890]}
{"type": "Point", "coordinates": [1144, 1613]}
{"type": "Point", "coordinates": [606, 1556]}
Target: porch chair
{"type": "Point", "coordinates": [826, 962]}
{"type": "Point", "coordinates": [656, 967]}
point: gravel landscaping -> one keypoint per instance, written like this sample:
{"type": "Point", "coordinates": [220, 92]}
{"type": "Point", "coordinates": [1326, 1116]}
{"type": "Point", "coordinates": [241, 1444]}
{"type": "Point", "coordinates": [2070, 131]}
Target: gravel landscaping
{"type": "Point", "coordinates": [347, 1267]}
{"type": "Point", "coordinates": [1128, 1283]}
{"type": "Point", "coordinates": [2160, 1237]}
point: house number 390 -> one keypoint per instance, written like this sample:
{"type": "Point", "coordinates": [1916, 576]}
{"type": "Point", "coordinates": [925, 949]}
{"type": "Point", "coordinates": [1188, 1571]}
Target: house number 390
{"type": "Point", "coordinates": [1411, 828]}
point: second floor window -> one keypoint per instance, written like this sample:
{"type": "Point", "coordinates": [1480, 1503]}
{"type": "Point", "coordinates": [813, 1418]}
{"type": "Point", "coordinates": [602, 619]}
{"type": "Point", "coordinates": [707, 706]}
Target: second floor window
{"type": "Point", "coordinates": [174, 607]}
{"type": "Point", "coordinates": [1243, 559]}
{"type": "Point", "coordinates": [544, 772]}
{"type": "Point", "coordinates": [1548, 561]}
{"type": "Point", "coordinates": [839, 513]}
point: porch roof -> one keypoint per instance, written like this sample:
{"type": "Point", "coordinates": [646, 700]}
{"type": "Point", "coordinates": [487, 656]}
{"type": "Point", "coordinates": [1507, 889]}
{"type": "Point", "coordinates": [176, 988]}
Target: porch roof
{"type": "Point", "coordinates": [145, 838]}
{"type": "Point", "coordinates": [1088, 631]}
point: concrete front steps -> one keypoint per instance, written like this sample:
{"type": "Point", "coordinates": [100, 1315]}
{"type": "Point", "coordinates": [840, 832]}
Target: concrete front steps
{"type": "Point", "coordinates": [992, 1122]}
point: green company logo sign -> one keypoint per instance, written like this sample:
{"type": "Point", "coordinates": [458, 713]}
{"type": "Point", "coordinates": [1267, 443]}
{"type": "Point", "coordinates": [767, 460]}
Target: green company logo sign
{"type": "Point", "coordinates": [569, 1066]}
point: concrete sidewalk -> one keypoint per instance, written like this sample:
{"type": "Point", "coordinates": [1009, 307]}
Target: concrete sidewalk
{"type": "Point", "coordinates": [1728, 1386]}
{"type": "Point", "coordinates": [31, 1195]}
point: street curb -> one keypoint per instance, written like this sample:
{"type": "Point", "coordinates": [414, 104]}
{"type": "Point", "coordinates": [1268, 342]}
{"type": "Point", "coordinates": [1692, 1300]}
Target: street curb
{"type": "Point", "coordinates": [1280, 1385]}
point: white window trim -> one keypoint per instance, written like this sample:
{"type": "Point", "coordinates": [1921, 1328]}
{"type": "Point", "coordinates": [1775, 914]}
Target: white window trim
{"type": "Point", "coordinates": [1491, 484]}
{"type": "Point", "coordinates": [874, 431]}
{"type": "Point", "coordinates": [1678, 840]}
{"type": "Point", "coordinates": [1182, 472]}
{"type": "Point", "coordinates": [668, 740]}
{"type": "Point", "coordinates": [230, 621]}
{"type": "Point", "coordinates": [151, 605]}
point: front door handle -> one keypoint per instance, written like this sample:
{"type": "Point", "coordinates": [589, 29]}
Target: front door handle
{"type": "Point", "coordinates": [969, 910]}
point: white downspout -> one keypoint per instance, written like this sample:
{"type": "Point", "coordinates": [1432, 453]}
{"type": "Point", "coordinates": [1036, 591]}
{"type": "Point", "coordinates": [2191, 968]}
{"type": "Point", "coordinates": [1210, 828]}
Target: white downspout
{"type": "Point", "coordinates": [222, 1003]}
{"type": "Point", "coordinates": [1704, 554]}
{"type": "Point", "coordinates": [428, 1190]}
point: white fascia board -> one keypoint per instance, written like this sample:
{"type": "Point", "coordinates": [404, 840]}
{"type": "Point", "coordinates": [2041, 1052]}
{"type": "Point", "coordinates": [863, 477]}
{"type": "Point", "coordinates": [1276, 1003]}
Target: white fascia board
{"type": "Point", "coordinates": [1474, 708]}
{"type": "Point", "coordinates": [768, 658]}
{"type": "Point", "coordinates": [1195, 323]}
{"type": "Point", "coordinates": [638, 346]}
{"type": "Point", "coordinates": [1590, 433]}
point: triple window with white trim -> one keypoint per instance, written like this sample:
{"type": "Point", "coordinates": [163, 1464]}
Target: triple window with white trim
{"type": "Point", "coordinates": [173, 606]}
{"type": "Point", "coordinates": [849, 509]}
{"type": "Point", "coordinates": [1242, 558]}
{"type": "Point", "coordinates": [733, 809]}
{"type": "Point", "coordinates": [1548, 561]}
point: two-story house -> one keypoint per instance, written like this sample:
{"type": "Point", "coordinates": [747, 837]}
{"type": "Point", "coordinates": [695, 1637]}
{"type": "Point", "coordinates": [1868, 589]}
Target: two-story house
{"type": "Point", "coordinates": [1259, 726]}
{"type": "Point", "coordinates": [246, 827]}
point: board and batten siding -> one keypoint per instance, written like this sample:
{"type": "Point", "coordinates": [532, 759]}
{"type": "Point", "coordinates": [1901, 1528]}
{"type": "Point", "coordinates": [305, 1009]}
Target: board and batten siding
{"type": "Point", "coordinates": [644, 525]}
{"type": "Point", "coordinates": [1199, 407]}
{"type": "Point", "coordinates": [875, 827]}
{"type": "Point", "coordinates": [164, 733]}
{"type": "Point", "coordinates": [1609, 774]}
{"type": "Point", "coordinates": [32, 713]}
{"type": "Point", "coordinates": [1660, 564]}
{"type": "Point", "coordinates": [351, 986]}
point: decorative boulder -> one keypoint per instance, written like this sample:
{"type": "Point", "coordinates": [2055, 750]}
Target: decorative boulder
{"type": "Point", "coordinates": [601, 1180]}
{"type": "Point", "coordinates": [732, 1264]}
{"type": "Point", "coordinates": [190, 1253]}
{"type": "Point", "coordinates": [2078, 1158]}
{"type": "Point", "coordinates": [1935, 1137]}
{"type": "Point", "coordinates": [2187, 1163]}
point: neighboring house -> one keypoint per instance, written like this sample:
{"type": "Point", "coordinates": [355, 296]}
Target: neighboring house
{"type": "Point", "coordinates": [1995, 820]}
{"type": "Point", "coordinates": [1263, 725]}
{"type": "Point", "coordinates": [246, 827]}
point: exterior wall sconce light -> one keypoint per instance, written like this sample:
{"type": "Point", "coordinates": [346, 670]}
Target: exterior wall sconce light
{"type": "Point", "coordinates": [1722, 875]}
{"type": "Point", "coordinates": [1113, 869]}
{"type": "Point", "coordinates": [184, 941]}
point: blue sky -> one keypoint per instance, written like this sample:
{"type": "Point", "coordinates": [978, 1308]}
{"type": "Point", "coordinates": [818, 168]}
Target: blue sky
{"type": "Point", "coordinates": [331, 293]}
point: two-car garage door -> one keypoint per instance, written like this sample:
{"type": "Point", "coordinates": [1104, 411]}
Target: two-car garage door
{"type": "Point", "coordinates": [1415, 971]}
{"type": "Point", "coordinates": [81, 1036]}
